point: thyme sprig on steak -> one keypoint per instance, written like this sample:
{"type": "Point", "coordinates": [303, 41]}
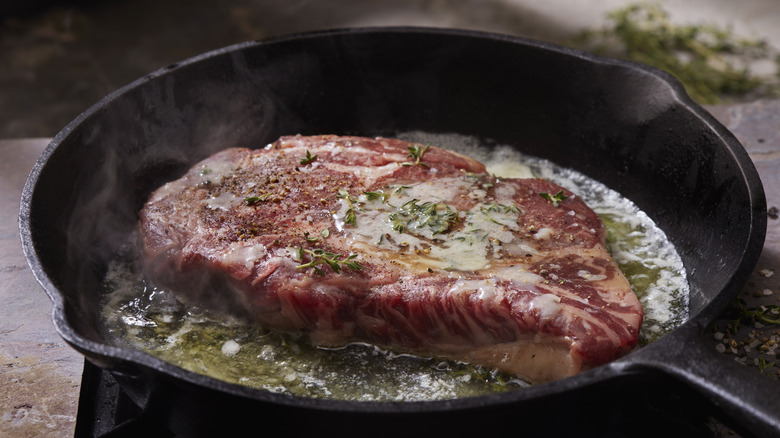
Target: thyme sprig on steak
{"type": "Point", "coordinates": [416, 153]}
{"type": "Point", "coordinates": [320, 256]}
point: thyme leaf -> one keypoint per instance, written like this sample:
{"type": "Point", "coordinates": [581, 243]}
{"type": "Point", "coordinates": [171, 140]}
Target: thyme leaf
{"type": "Point", "coordinates": [556, 199]}
{"type": "Point", "coordinates": [308, 158]}
{"type": "Point", "coordinates": [373, 196]}
{"type": "Point", "coordinates": [323, 235]}
{"type": "Point", "coordinates": [252, 200]}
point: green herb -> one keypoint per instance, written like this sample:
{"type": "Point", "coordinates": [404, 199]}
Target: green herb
{"type": "Point", "coordinates": [323, 235]}
{"type": "Point", "coordinates": [438, 216]}
{"type": "Point", "coordinates": [308, 158]}
{"type": "Point", "coordinates": [399, 190]}
{"type": "Point", "coordinates": [252, 200]}
{"type": "Point", "coordinates": [710, 61]}
{"type": "Point", "coordinates": [496, 207]}
{"type": "Point", "coordinates": [373, 196]}
{"type": "Point", "coordinates": [764, 366]}
{"type": "Point", "coordinates": [499, 208]}
{"type": "Point", "coordinates": [322, 257]}
{"type": "Point", "coordinates": [416, 153]}
{"type": "Point", "coordinates": [765, 314]}
{"type": "Point", "coordinates": [398, 225]}
{"type": "Point", "coordinates": [349, 217]}
{"type": "Point", "coordinates": [556, 198]}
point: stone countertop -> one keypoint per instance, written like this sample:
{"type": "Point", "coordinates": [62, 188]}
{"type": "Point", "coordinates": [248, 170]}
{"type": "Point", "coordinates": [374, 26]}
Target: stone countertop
{"type": "Point", "coordinates": [40, 374]}
{"type": "Point", "coordinates": [753, 342]}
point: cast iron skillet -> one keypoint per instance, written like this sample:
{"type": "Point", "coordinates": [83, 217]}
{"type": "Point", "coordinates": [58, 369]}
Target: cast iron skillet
{"type": "Point", "coordinates": [629, 126]}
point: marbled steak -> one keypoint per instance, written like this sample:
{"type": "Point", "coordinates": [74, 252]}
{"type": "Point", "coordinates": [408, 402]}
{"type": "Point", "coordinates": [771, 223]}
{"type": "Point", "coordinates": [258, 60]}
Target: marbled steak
{"type": "Point", "coordinates": [408, 247]}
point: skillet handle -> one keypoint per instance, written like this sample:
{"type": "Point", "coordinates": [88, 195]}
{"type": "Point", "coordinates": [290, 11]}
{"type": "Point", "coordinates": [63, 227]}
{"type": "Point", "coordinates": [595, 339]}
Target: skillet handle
{"type": "Point", "coordinates": [748, 401]}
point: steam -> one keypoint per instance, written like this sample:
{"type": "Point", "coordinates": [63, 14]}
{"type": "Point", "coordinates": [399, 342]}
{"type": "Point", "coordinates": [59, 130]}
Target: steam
{"type": "Point", "coordinates": [151, 132]}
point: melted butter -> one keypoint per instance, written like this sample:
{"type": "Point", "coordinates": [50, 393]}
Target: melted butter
{"type": "Point", "coordinates": [368, 174]}
{"type": "Point", "coordinates": [485, 288]}
{"type": "Point", "coordinates": [224, 201]}
{"type": "Point", "coordinates": [409, 223]}
{"type": "Point", "coordinates": [548, 305]}
{"type": "Point", "coordinates": [243, 254]}
{"type": "Point", "coordinates": [216, 171]}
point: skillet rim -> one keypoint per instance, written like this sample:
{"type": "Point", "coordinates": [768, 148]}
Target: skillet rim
{"type": "Point", "coordinates": [117, 359]}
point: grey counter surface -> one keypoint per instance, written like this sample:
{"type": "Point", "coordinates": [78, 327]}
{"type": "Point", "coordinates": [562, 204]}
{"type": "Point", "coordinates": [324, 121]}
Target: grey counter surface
{"type": "Point", "coordinates": [40, 374]}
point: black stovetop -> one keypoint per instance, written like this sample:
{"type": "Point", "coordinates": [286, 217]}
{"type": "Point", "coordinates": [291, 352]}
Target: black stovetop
{"type": "Point", "coordinates": [106, 411]}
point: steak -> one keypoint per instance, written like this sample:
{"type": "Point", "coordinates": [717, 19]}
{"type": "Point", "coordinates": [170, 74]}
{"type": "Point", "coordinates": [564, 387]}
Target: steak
{"type": "Point", "coordinates": [407, 247]}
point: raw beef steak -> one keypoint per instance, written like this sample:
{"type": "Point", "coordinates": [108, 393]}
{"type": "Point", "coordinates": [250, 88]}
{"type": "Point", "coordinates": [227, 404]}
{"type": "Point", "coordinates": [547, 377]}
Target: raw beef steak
{"type": "Point", "coordinates": [408, 247]}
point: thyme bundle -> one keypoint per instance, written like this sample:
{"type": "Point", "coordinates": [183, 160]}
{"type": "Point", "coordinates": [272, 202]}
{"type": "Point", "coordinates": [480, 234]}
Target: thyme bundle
{"type": "Point", "coordinates": [711, 62]}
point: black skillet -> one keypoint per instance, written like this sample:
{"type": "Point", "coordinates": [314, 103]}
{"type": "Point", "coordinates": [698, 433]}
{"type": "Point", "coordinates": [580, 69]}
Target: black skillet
{"type": "Point", "coordinates": [628, 126]}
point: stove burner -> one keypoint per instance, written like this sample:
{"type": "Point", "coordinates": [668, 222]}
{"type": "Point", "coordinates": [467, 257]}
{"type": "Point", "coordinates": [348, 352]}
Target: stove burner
{"type": "Point", "coordinates": [106, 411]}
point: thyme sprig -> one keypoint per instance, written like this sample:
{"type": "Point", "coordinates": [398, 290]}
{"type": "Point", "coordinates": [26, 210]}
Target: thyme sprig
{"type": "Point", "coordinates": [496, 207]}
{"type": "Point", "coordinates": [349, 216]}
{"type": "Point", "coordinates": [416, 153]}
{"type": "Point", "coordinates": [764, 314]}
{"type": "Point", "coordinates": [711, 61]}
{"type": "Point", "coordinates": [308, 158]}
{"type": "Point", "coordinates": [321, 257]}
{"type": "Point", "coordinates": [556, 199]}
